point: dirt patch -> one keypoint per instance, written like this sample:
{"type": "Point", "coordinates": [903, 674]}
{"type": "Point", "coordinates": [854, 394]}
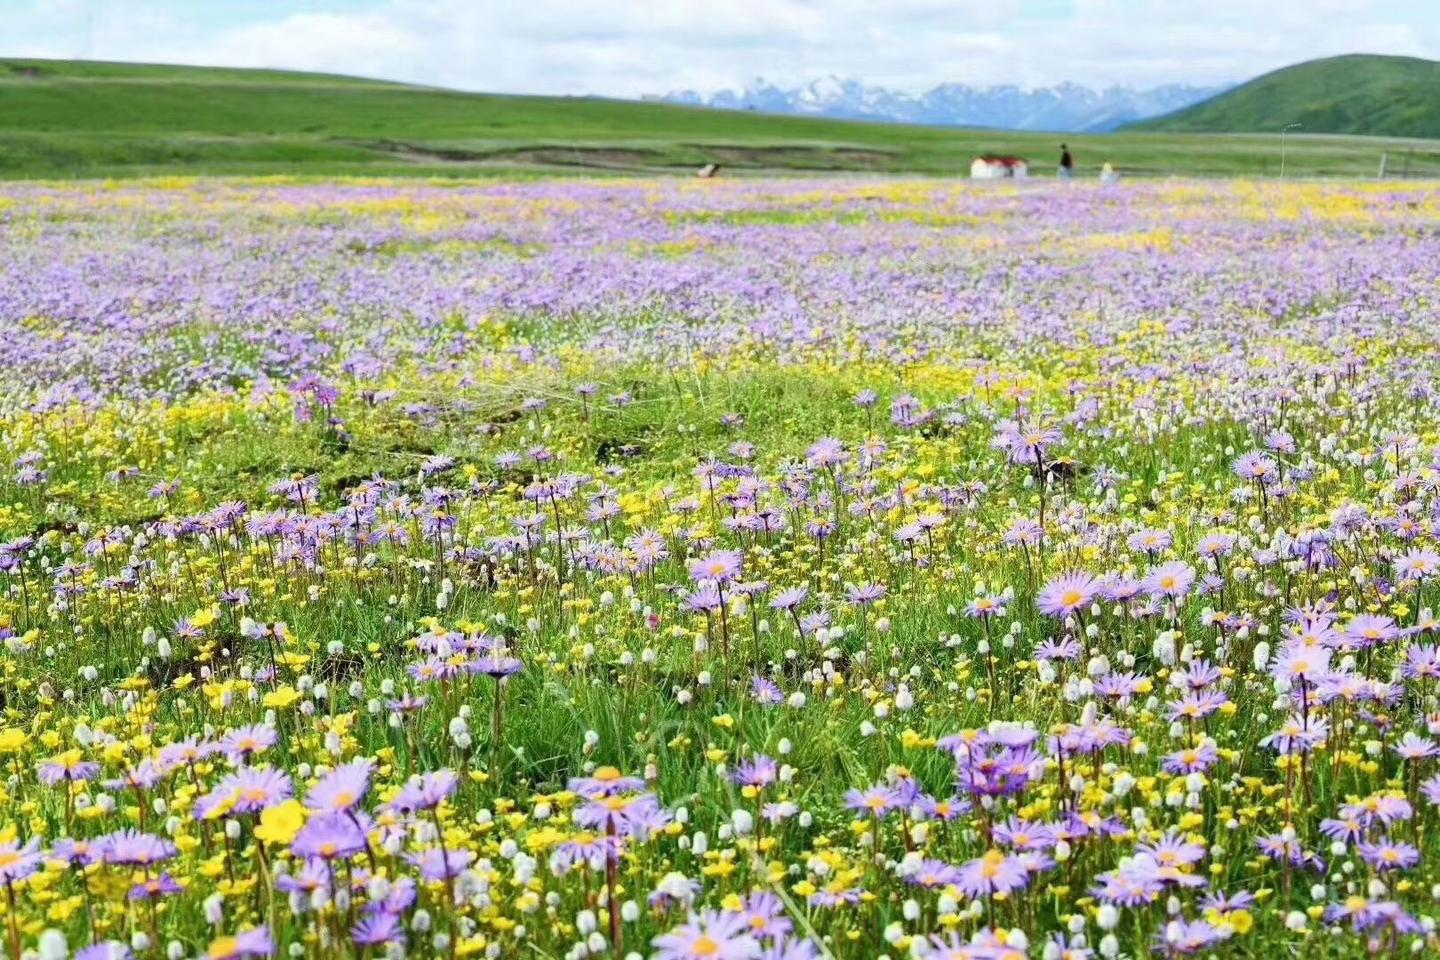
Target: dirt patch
{"type": "Point", "coordinates": [803, 158]}
{"type": "Point", "coordinates": [798, 157]}
{"type": "Point", "coordinates": [599, 157]}
{"type": "Point", "coordinates": [582, 156]}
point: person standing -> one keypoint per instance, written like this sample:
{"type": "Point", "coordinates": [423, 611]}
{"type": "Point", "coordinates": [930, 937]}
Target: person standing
{"type": "Point", "coordinates": [1067, 163]}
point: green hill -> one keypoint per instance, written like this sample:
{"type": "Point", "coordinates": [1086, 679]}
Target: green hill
{"type": "Point", "coordinates": [1356, 94]}
{"type": "Point", "coordinates": [62, 119]}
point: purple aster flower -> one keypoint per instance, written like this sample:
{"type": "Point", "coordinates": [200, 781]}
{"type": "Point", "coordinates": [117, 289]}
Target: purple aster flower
{"type": "Point", "coordinates": [134, 848]}
{"type": "Point", "coordinates": [1191, 760]}
{"type": "Point", "coordinates": [876, 801]}
{"type": "Point", "coordinates": [19, 861]}
{"type": "Point", "coordinates": [1185, 937]}
{"type": "Point", "coordinates": [711, 935]}
{"type": "Point", "coordinates": [605, 782]}
{"type": "Point", "coordinates": [313, 875]}
{"type": "Point", "coordinates": [68, 767]}
{"type": "Point", "coordinates": [240, 745]}
{"type": "Point", "coordinates": [1298, 735]}
{"type": "Point", "coordinates": [592, 849]}
{"type": "Point", "coordinates": [1135, 885]}
{"type": "Point", "coordinates": [437, 864]}
{"type": "Point", "coordinates": [826, 453]}
{"type": "Point", "coordinates": [707, 600]}
{"type": "Point", "coordinates": [378, 929]}
{"type": "Point", "coordinates": [424, 792]}
{"type": "Point", "coordinates": [933, 874]}
{"type": "Point", "coordinates": [497, 666]}
{"type": "Point", "coordinates": [1418, 565]}
{"type": "Point", "coordinates": [995, 872]}
{"type": "Point", "coordinates": [398, 901]}
{"type": "Point", "coordinates": [1280, 848]}
{"type": "Point", "coordinates": [634, 815]}
{"type": "Point", "coordinates": [766, 692]}
{"type": "Point", "coordinates": [1171, 580]}
{"type": "Point", "coordinates": [1150, 541]}
{"type": "Point", "coordinates": [185, 753]}
{"type": "Point", "coordinates": [1385, 855]}
{"type": "Point", "coordinates": [1066, 594]}
{"type": "Point", "coordinates": [342, 788]}
{"type": "Point", "coordinates": [1019, 834]}
{"type": "Point", "coordinates": [765, 915]}
{"type": "Point", "coordinates": [1370, 630]}
{"type": "Point", "coordinates": [1256, 466]}
{"type": "Point", "coordinates": [75, 853]}
{"type": "Point", "coordinates": [329, 836]}
{"type": "Point", "coordinates": [154, 888]}
{"type": "Point", "coordinates": [759, 772]}
{"type": "Point", "coordinates": [982, 608]}
{"type": "Point", "coordinates": [247, 791]}
{"type": "Point", "coordinates": [791, 599]}
{"type": "Point", "coordinates": [865, 594]}
{"type": "Point", "coordinates": [105, 950]}
{"type": "Point", "coordinates": [255, 942]}
{"type": "Point", "coordinates": [1172, 851]}
{"type": "Point", "coordinates": [719, 567]}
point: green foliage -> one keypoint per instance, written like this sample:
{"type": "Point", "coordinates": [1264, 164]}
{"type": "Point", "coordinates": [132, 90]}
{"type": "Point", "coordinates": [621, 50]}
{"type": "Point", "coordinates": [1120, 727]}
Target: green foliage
{"type": "Point", "coordinates": [1355, 94]}
{"type": "Point", "coordinates": [68, 119]}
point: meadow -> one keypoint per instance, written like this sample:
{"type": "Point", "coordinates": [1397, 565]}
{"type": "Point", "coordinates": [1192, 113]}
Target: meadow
{"type": "Point", "coordinates": [77, 119]}
{"type": "Point", "coordinates": [763, 570]}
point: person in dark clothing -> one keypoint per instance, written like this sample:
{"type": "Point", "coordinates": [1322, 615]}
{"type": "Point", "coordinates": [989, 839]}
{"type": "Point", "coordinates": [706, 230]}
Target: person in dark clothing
{"type": "Point", "coordinates": [1067, 163]}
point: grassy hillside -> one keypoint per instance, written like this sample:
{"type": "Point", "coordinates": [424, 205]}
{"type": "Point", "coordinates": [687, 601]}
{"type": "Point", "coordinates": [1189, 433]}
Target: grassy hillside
{"type": "Point", "coordinates": [1357, 94]}
{"type": "Point", "coordinates": [69, 119]}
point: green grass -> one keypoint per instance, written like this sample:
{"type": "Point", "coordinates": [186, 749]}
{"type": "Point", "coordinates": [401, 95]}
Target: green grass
{"type": "Point", "coordinates": [1356, 94]}
{"type": "Point", "coordinates": [81, 119]}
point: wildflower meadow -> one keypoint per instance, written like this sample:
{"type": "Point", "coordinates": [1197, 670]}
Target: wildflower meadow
{"type": "Point", "coordinates": [719, 570]}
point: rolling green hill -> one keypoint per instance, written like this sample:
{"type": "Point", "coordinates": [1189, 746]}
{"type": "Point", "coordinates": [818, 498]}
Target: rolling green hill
{"type": "Point", "coordinates": [64, 119]}
{"type": "Point", "coordinates": [1355, 94]}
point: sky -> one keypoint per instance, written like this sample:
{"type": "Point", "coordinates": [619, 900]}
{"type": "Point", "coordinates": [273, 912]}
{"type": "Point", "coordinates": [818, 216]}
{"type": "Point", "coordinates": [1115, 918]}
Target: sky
{"type": "Point", "coordinates": [629, 48]}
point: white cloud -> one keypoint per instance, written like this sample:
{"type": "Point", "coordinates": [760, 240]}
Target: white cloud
{"type": "Point", "coordinates": [330, 42]}
{"type": "Point", "coordinates": [631, 47]}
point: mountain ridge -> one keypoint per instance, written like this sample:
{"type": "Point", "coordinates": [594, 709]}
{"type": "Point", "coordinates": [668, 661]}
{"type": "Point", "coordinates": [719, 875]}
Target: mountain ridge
{"type": "Point", "coordinates": [1357, 93]}
{"type": "Point", "coordinates": [1060, 108]}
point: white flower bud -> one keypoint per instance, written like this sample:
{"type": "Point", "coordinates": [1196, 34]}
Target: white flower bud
{"type": "Point", "coordinates": [52, 946]}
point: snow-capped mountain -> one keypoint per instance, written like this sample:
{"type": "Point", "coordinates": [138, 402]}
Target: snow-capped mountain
{"type": "Point", "coordinates": [1064, 107]}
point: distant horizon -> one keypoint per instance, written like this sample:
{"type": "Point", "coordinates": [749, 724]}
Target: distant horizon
{"type": "Point", "coordinates": [631, 49]}
{"type": "Point", "coordinates": [1002, 85]}
{"type": "Point", "coordinates": [752, 84]}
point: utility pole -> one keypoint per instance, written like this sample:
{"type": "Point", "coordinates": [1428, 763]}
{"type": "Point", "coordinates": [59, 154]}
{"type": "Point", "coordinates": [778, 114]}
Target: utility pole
{"type": "Point", "coordinates": [1284, 130]}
